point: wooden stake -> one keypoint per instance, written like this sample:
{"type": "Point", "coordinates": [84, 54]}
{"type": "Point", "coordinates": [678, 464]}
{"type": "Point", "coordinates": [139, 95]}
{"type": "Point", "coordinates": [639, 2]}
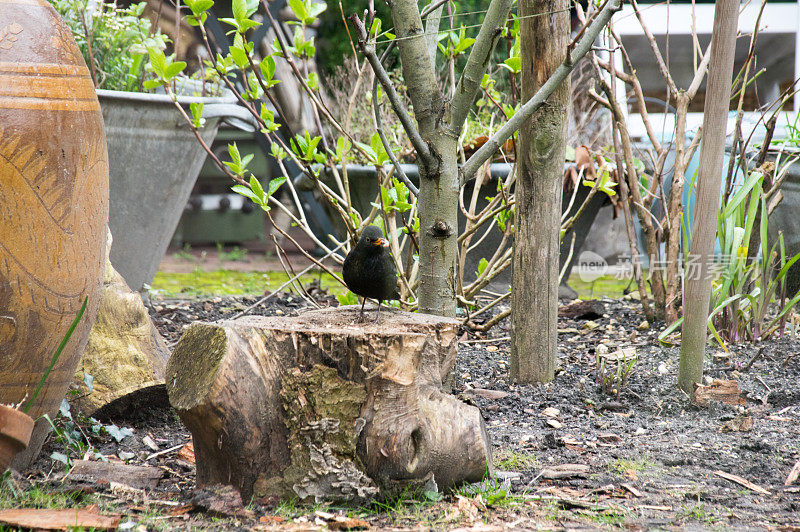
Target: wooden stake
{"type": "Point", "coordinates": [698, 284]}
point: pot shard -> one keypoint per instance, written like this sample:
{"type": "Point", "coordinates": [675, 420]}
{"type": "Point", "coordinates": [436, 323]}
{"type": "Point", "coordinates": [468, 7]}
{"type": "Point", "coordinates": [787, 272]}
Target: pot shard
{"type": "Point", "coordinates": [15, 433]}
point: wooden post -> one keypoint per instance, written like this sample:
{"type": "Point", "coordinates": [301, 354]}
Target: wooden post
{"type": "Point", "coordinates": [698, 284]}
{"type": "Point", "coordinates": [537, 218]}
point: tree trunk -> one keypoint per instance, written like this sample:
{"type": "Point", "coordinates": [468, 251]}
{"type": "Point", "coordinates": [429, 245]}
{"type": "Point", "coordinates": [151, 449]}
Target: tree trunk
{"type": "Point", "coordinates": [534, 297]}
{"type": "Point", "coordinates": [316, 408]}
{"type": "Point", "coordinates": [439, 179]}
{"type": "Point", "coordinates": [672, 252]}
{"type": "Point", "coordinates": [698, 287]}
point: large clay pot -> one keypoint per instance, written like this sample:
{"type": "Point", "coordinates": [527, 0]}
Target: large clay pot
{"type": "Point", "coordinates": [53, 206]}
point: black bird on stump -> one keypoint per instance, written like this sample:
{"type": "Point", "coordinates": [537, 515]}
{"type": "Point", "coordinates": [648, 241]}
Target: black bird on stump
{"type": "Point", "coordinates": [369, 270]}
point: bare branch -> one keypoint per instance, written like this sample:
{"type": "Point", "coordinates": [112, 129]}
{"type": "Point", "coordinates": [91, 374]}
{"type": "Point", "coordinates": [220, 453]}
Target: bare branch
{"type": "Point", "coordinates": [418, 70]}
{"type": "Point", "coordinates": [662, 66]}
{"type": "Point", "coordinates": [379, 126]}
{"type": "Point", "coordinates": [368, 49]}
{"type": "Point", "coordinates": [477, 63]}
{"type": "Point", "coordinates": [700, 74]}
{"type": "Point", "coordinates": [531, 106]}
{"type": "Point", "coordinates": [432, 31]}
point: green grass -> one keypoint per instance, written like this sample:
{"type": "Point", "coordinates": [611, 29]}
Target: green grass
{"type": "Point", "coordinates": [35, 497]}
{"type": "Point", "coordinates": [493, 493]}
{"type": "Point", "coordinates": [619, 467]}
{"type": "Point", "coordinates": [204, 284]}
{"type": "Point", "coordinates": [610, 516]}
{"type": "Point", "coordinates": [514, 461]}
{"type": "Point", "coordinates": [700, 512]}
{"type": "Point", "coordinates": [603, 286]}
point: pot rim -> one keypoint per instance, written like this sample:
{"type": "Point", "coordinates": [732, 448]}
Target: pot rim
{"type": "Point", "coordinates": [147, 97]}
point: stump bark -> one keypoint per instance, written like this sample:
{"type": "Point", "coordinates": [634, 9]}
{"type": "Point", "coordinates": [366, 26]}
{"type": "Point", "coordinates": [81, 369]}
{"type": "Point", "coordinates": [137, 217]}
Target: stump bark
{"type": "Point", "coordinates": [319, 408]}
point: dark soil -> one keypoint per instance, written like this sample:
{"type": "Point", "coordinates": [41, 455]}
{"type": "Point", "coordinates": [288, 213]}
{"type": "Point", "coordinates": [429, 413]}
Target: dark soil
{"type": "Point", "coordinates": [654, 459]}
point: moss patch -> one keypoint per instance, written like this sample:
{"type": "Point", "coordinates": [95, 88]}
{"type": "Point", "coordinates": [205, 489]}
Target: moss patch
{"type": "Point", "coordinates": [321, 413]}
{"type": "Point", "coordinates": [203, 284]}
{"type": "Point", "coordinates": [201, 348]}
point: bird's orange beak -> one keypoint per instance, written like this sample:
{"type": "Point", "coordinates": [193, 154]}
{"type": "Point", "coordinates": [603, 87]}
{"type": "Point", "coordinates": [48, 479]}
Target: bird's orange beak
{"type": "Point", "coordinates": [382, 242]}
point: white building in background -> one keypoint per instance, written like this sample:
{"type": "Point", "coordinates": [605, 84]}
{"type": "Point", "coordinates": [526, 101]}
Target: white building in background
{"type": "Point", "coordinates": [777, 49]}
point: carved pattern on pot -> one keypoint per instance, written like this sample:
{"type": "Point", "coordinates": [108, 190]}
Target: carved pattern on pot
{"type": "Point", "coordinates": [8, 35]}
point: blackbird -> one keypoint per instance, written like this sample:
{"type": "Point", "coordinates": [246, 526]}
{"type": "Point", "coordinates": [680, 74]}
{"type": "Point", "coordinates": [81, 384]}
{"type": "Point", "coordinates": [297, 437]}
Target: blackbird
{"type": "Point", "coordinates": [369, 270]}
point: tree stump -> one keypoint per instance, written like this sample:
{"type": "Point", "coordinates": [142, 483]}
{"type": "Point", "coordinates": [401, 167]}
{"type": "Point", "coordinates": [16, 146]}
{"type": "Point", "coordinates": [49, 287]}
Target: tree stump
{"type": "Point", "coordinates": [126, 356]}
{"type": "Point", "coordinates": [319, 408]}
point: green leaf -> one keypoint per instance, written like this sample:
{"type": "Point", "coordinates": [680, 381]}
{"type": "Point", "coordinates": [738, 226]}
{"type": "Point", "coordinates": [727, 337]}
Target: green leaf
{"type": "Point", "coordinates": [239, 10]}
{"type": "Point", "coordinates": [514, 64]}
{"type": "Point", "coordinates": [258, 190]}
{"type": "Point", "coordinates": [377, 147]}
{"type": "Point", "coordinates": [316, 9]}
{"type": "Point", "coordinates": [157, 60]}
{"type": "Point", "coordinates": [482, 264]}
{"type": "Point", "coordinates": [252, 7]}
{"type": "Point", "coordinates": [151, 83]}
{"type": "Point", "coordinates": [347, 299]}
{"type": "Point", "coordinates": [434, 496]}
{"type": "Point", "coordinates": [235, 164]}
{"type": "Point", "coordinates": [245, 191]}
{"type": "Point", "coordinates": [117, 433]}
{"type": "Point", "coordinates": [199, 6]}
{"type": "Point", "coordinates": [313, 80]}
{"type": "Point", "coordinates": [174, 69]}
{"type": "Point", "coordinates": [343, 146]}
{"type": "Point", "coordinates": [369, 153]}
{"type": "Point", "coordinates": [268, 71]}
{"type": "Point", "coordinates": [238, 52]}
{"type": "Point", "coordinates": [298, 7]}
{"type": "Point", "coordinates": [376, 27]}
{"type": "Point", "coordinates": [275, 184]}
{"type": "Point", "coordinates": [277, 151]}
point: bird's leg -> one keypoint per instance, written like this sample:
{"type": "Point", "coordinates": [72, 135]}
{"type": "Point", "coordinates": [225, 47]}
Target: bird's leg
{"type": "Point", "coordinates": [360, 317]}
{"type": "Point", "coordinates": [379, 311]}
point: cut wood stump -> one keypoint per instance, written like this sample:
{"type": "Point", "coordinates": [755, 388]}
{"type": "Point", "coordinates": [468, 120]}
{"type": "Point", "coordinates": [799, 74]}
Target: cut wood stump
{"type": "Point", "coordinates": [318, 407]}
{"type": "Point", "coordinates": [125, 355]}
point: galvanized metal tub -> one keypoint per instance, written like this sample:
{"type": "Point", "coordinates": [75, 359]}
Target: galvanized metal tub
{"type": "Point", "coordinates": [154, 159]}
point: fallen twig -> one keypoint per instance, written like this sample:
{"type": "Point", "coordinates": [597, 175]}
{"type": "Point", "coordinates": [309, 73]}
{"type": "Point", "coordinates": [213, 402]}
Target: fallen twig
{"type": "Point", "coordinates": [165, 451]}
{"type": "Point", "coordinates": [741, 481]}
{"type": "Point", "coordinates": [793, 474]}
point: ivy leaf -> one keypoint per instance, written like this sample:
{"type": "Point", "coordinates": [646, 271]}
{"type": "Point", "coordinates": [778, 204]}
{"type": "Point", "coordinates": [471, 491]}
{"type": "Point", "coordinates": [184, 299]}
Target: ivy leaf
{"type": "Point", "coordinates": [60, 457]}
{"type": "Point", "coordinates": [88, 380]}
{"type": "Point", "coordinates": [117, 433]}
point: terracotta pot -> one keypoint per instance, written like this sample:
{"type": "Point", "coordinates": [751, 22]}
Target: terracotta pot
{"type": "Point", "coordinates": [53, 205]}
{"type": "Point", "coordinates": [15, 433]}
